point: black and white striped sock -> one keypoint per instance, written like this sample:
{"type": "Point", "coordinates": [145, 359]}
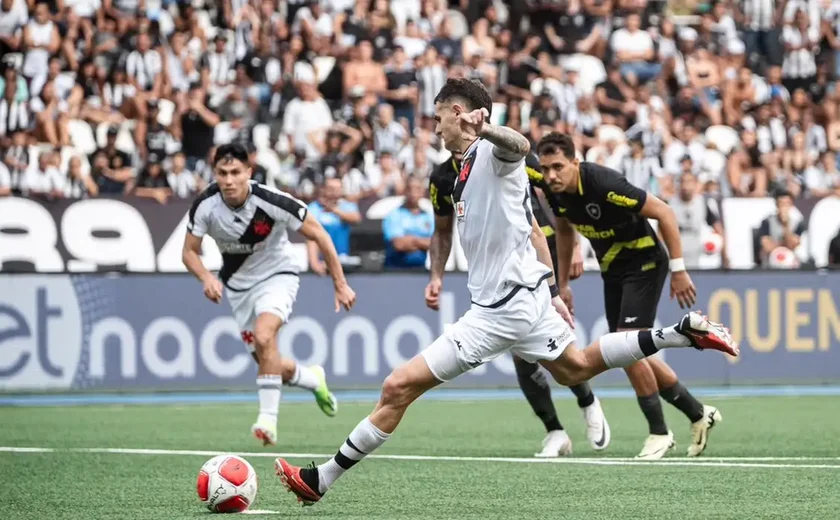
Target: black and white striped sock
{"type": "Point", "coordinates": [363, 440]}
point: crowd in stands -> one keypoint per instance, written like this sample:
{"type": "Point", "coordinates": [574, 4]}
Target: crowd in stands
{"type": "Point", "coordinates": [109, 97]}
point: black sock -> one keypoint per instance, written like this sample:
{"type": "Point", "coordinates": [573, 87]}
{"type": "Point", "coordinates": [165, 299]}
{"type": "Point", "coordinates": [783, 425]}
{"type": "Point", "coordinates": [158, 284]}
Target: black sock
{"type": "Point", "coordinates": [584, 394]}
{"type": "Point", "coordinates": [310, 477]}
{"type": "Point", "coordinates": [652, 409]}
{"type": "Point", "coordinates": [534, 385]}
{"type": "Point", "coordinates": [682, 400]}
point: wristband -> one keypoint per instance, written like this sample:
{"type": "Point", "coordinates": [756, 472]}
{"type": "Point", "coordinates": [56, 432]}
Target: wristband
{"type": "Point", "coordinates": [677, 265]}
{"type": "Point", "coordinates": [554, 290]}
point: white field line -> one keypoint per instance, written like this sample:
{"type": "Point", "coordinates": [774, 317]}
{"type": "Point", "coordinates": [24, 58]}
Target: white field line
{"type": "Point", "coordinates": [719, 462]}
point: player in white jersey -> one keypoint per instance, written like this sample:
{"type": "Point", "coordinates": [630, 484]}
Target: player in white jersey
{"type": "Point", "coordinates": [513, 308]}
{"type": "Point", "coordinates": [250, 224]}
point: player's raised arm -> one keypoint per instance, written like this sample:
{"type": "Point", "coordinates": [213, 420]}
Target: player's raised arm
{"type": "Point", "coordinates": [508, 144]}
{"type": "Point", "coordinates": [314, 231]}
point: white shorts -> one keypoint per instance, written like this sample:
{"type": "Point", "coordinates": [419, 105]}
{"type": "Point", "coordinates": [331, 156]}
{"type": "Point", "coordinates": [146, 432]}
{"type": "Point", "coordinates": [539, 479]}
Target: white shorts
{"type": "Point", "coordinates": [275, 295]}
{"type": "Point", "coordinates": [527, 326]}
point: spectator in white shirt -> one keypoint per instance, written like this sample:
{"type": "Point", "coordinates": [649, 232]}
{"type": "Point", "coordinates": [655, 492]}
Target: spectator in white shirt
{"type": "Point", "coordinates": [388, 134]}
{"type": "Point", "coordinates": [304, 114]}
{"type": "Point", "coordinates": [12, 22]}
{"type": "Point", "coordinates": [144, 67]}
{"type": "Point", "coordinates": [45, 179]}
{"type": "Point", "coordinates": [40, 39]}
{"type": "Point", "coordinates": [78, 183]}
{"type": "Point", "coordinates": [634, 51]}
{"type": "Point", "coordinates": [184, 183]}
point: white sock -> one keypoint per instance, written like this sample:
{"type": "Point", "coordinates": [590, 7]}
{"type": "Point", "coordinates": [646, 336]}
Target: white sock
{"type": "Point", "coordinates": [622, 349]}
{"type": "Point", "coordinates": [268, 390]}
{"type": "Point", "coordinates": [363, 440]}
{"type": "Point", "coordinates": [304, 378]}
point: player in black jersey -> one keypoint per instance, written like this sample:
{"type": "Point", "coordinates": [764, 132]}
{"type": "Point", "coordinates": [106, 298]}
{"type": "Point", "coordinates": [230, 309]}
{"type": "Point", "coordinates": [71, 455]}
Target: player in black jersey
{"type": "Point", "coordinates": [613, 214]}
{"type": "Point", "coordinates": [532, 380]}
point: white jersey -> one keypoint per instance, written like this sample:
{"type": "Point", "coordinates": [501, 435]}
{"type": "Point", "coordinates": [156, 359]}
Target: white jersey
{"type": "Point", "coordinates": [252, 238]}
{"type": "Point", "coordinates": [493, 213]}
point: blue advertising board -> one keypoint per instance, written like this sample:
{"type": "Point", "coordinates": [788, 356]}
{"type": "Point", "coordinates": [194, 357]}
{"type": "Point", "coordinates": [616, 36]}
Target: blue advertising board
{"type": "Point", "coordinates": [60, 332]}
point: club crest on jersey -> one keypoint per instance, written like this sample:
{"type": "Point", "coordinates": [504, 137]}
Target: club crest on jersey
{"type": "Point", "coordinates": [262, 228]}
{"type": "Point", "coordinates": [460, 210]}
{"type": "Point", "coordinates": [593, 210]}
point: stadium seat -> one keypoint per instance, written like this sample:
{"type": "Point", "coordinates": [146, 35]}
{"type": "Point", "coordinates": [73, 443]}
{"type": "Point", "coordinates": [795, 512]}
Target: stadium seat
{"type": "Point", "coordinates": [81, 135]}
{"type": "Point", "coordinates": [499, 115]}
{"type": "Point", "coordinates": [724, 138]}
{"type": "Point", "coordinates": [223, 133]}
{"type": "Point", "coordinates": [269, 160]}
{"type": "Point", "coordinates": [459, 26]}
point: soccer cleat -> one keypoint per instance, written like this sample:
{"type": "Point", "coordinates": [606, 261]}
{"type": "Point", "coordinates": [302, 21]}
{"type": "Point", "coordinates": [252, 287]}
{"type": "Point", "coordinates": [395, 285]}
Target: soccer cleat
{"type": "Point", "coordinates": [326, 400]}
{"type": "Point", "coordinates": [700, 430]}
{"type": "Point", "coordinates": [707, 335]}
{"type": "Point", "coordinates": [265, 431]}
{"type": "Point", "coordinates": [597, 427]}
{"type": "Point", "coordinates": [656, 446]}
{"type": "Point", "coordinates": [556, 444]}
{"type": "Point", "coordinates": [292, 478]}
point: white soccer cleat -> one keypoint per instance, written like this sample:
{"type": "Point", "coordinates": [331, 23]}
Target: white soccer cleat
{"type": "Point", "coordinates": [700, 430]}
{"type": "Point", "coordinates": [556, 444]}
{"type": "Point", "coordinates": [597, 427]}
{"type": "Point", "coordinates": [656, 446]}
{"type": "Point", "coordinates": [265, 431]}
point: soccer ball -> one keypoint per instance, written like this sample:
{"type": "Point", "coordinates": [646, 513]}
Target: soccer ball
{"type": "Point", "coordinates": [227, 484]}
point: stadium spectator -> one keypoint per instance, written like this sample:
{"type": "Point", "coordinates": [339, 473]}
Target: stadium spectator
{"type": "Point", "coordinates": [78, 183]}
{"type": "Point", "coordinates": [336, 215]}
{"type": "Point", "coordinates": [5, 181]}
{"type": "Point", "coordinates": [781, 233]}
{"type": "Point", "coordinates": [408, 230]}
{"type": "Point", "coordinates": [697, 215]}
{"type": "Point", "coordinates": [195, 130]}
{"type": "Point", "coordinates": [112, 167]}
{"type": "Point", "coordinates": [152, 183]}
{"type": "Point", "coordinates": [182, 181]}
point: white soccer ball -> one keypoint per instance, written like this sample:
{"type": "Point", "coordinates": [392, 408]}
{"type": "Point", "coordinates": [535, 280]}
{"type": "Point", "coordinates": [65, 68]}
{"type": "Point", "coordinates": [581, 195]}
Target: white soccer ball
{"type": "Point", "coordinates": [227, 484]}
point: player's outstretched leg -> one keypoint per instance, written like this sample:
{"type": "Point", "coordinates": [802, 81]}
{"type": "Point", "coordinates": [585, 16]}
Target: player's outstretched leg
{"type": "Point", "coordinates": [274, 371]}
{"type": "Point", "coordinates": [622, 349]}
{"type": "Point", "coordinates": [703, 417]}
{"type": "Point", "coordinates": [400, 389]}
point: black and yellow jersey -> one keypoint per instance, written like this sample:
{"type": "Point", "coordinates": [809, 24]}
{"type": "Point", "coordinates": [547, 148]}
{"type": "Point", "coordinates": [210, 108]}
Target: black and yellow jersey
{"type": "Point", "coordinates": [442, 182]}
{"type": "Point", "coordinates": [605, 209]}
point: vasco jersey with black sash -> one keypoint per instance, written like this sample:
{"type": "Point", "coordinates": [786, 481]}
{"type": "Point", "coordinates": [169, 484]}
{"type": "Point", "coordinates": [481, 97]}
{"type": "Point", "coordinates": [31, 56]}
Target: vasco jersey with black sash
{"type": "Point", "coordinates": [605, 209]}
{"type": "Point", "coordinates": [252, 238]}
{"type": "Point", "coordinates": [442, 181]}
{"type": "Point", "coordinates": [493, 215]}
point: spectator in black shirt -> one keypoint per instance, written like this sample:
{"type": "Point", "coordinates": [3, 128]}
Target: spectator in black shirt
{"type": "Point", "coordinates": [612, 96]}
{"type": "Point", "coordinates": [258, 171]}
{"type": "Point", "coordinates": [111, 169]}
{"type": "Point", "coordinates": [152, 183]}
{"type": "Point", "coordinates": [445, 44]}
{"type": "Point", "coordinates": [402, 86]}
{"type": "Point", "coordinates": [196, 127]}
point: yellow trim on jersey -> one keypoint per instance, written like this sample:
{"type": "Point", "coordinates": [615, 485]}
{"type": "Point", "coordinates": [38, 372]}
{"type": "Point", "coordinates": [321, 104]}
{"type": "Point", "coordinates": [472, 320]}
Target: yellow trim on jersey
{"type": "Point", "coordinates": [455, 165]}
{"type": "Point", "coordinates": [534, 174]}
{"type": "Point", "coordinates": [615, 249]}
{"type": "Point", "coordinates": [433, 192]}
{"type": "Point", "coordinates": [580, 182]}
{"type": "Point", "coordinates": [548, 231]}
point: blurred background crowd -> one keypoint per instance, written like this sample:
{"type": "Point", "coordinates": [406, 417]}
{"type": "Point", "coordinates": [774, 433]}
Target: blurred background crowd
{"type": "Point", "coordinates": [689, 99]}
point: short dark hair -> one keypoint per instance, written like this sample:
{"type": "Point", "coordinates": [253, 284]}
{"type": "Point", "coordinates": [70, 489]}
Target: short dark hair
{"type": "Point", "coordinates": [782, 193]}
{"type": "Point", "coordinates": [555, 142]}
{"type": "Point", "coordinates": [470, 90]}
{"type": "Point", "coordinates": [226, 152]}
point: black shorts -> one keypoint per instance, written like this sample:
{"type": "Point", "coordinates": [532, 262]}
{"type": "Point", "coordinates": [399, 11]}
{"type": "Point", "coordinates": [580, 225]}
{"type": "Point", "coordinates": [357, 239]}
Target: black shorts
{"type": "Point", "coordinates": [631, 301]}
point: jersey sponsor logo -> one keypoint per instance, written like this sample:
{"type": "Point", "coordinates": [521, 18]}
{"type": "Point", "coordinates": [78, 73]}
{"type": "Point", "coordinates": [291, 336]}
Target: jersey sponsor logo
{"type": "Point", "coordinates": [238, 248]}
{"type": "Point", "coordinates": [630, 319]}
{"type": "Point", "coordinates": [621, 200]}
{"type": "Point", "coordinates": [591, 233]}
{"type": "Point", "coordinates": [593, 210]}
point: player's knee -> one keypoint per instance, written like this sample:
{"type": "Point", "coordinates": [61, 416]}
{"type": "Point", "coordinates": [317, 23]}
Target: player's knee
{"type": "Point", "coordinates": [396, 389]}
{"type": "Point", "coordinates": [265, 343]}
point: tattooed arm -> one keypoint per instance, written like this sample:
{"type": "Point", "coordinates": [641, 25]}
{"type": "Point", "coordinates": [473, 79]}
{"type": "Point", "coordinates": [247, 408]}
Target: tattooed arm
{"type": "Point", "coordinates": [509, 145]}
